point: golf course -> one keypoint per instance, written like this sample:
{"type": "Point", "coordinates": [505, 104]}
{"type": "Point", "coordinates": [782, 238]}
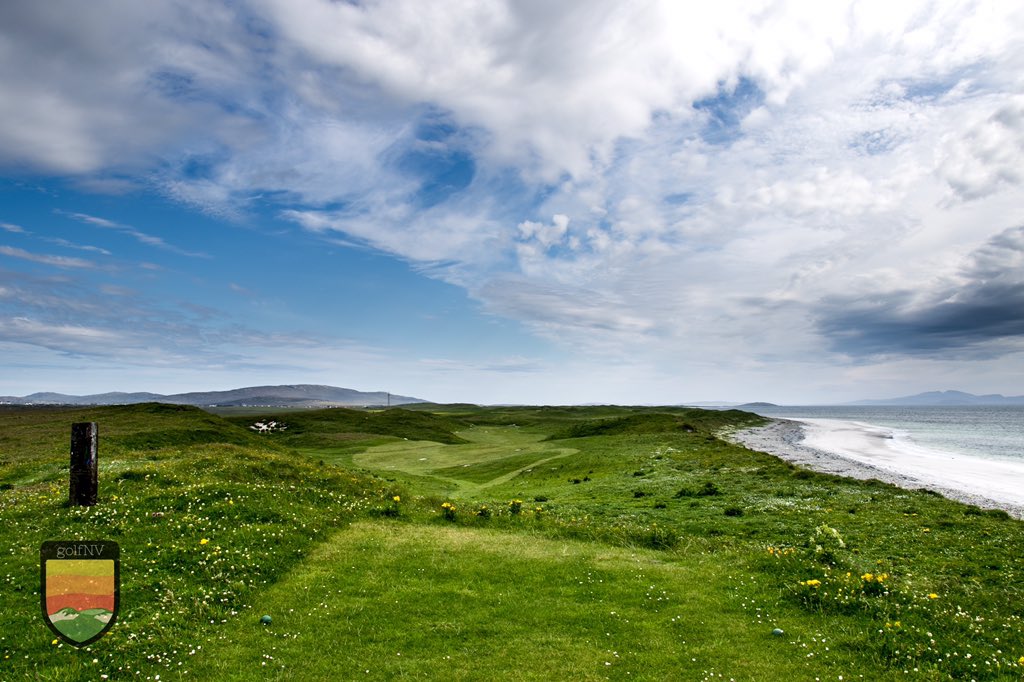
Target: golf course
{"type": "Point", "coordinates": [459, 542]}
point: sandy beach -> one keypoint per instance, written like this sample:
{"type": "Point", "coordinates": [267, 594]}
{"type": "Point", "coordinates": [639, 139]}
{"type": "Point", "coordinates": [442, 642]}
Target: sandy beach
{"type": "Point", "coordinates": [863, 451]}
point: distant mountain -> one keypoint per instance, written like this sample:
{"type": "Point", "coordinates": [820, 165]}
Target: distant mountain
{"type": "Point", "coordinates": [950, 398]}
{"type": "Point", "coordinates": [296, 395]}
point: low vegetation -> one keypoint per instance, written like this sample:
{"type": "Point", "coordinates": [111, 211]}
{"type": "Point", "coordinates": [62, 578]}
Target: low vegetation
{"type": "Point", "coordinates": [490, 543]}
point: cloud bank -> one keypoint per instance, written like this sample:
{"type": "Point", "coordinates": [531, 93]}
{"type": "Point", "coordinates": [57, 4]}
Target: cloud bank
{"type": "Point", "coordinates": [734, 186]}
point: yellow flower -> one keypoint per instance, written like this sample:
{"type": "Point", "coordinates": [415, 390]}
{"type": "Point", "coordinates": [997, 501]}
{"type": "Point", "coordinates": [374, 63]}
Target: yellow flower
{"type": "Point", "coordinates": [396, 498]}
{"type": "Point", "coordinates": [811, 583]}
{"type": "Point", "coordinates": [54, 642]}
{"type": "Point", "coordinates": [1020, 661]}
{"type": "Point", "coordinates": [933, 596]}
{"type": "Point", "coordinates": [867, 577]}
{"type": "Point", "coordinates": [203, 541]}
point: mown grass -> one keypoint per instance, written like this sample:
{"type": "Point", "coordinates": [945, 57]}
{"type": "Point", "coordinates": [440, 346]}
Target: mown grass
{"type": "Point", "coordinates": [504, 554]}
{"type": "Point", "coordinates": [398, 600]}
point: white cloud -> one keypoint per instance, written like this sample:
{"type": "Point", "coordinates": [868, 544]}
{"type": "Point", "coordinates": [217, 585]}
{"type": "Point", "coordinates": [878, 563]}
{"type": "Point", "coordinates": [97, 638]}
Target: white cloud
{"type": "Point", "coordinates": [989, 155]}
{"type": "Point", "coordinates": [141, 237]}
{"type": "Point", "coordinates": [46, 259]}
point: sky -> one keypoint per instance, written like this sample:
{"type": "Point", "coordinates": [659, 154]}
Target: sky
{"type": "Point", "coordinates": [513, 201]}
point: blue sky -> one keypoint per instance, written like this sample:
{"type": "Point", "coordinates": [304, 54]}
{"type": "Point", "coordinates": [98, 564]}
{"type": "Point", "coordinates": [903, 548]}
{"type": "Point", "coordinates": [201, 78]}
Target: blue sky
{"type": "Point", "coordinates": [497, 201]}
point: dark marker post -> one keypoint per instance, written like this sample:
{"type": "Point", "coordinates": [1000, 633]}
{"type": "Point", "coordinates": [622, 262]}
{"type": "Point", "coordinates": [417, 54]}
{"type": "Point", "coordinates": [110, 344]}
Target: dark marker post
{"type": "Point", "coordinates": [84, 464]}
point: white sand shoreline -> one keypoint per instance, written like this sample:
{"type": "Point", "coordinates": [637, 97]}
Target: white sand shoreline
{"type": "Point", "coordinates": [862, 451]}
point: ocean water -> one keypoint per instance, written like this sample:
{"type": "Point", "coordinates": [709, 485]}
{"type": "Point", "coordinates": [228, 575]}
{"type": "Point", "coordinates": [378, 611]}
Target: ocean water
{"type": "Point", "coordinates": [991, 432]}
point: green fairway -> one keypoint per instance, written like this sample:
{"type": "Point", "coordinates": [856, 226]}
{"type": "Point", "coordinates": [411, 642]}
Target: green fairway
{"type": "Point", "coordinates": [386, 601]}
{"type": "Point", "coordinates": [493, 455]}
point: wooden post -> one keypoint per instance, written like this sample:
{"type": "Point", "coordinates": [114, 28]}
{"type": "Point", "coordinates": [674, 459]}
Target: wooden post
{"type": "Point", "coordinates": [85, 479]}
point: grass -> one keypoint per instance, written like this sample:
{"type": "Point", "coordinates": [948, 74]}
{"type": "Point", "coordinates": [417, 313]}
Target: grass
{"type": "Point", "coordinates": [524, 543]}
{"type": "Point", "coordinates": [428, 602]}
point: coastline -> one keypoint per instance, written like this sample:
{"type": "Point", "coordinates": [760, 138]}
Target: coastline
{"type": "Point", "coordinates": [863, 451]}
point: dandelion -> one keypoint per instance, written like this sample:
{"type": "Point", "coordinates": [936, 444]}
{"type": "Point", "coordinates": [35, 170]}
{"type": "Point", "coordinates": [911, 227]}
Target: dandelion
{"type": "Point", "coordinates": [397, 498]}
{"type": "Point", "coordinates": [867, 577]}
{"type": "Point", "coordinates": [811, 583]}
{"type": "Point", "coordinates": [1020, 661]}
{"type": "Point", "coordinates": [933, 596]}
{"type": "Point", "coordinates": [54, 642]}
{"type": "Point", "coordinates": [204, 541]}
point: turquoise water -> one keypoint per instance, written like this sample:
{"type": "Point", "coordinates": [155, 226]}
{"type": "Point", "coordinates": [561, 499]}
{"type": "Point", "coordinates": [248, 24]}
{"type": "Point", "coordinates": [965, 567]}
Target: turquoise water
{"type": "Point", "coordinates": [995, 432]}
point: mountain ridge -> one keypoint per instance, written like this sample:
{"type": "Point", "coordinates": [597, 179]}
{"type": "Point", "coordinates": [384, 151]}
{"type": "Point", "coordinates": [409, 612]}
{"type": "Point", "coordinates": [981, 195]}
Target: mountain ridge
{"type": "Point", "coordinates": [949, 398]}
{"type": "Point", "coordinates": [284, 395]}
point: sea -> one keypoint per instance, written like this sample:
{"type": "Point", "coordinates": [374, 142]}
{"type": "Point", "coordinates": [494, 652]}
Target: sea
{"type": "Point", "coordinates": [989, 432]}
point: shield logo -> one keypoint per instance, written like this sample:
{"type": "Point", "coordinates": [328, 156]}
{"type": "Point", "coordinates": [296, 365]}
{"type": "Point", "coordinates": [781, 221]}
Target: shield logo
{"type": "Point", "coordinates": [80, 588]}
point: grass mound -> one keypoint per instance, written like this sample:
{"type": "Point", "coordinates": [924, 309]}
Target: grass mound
{"type": "Point", "coordinates": [329, 426]}
{"type": "Point", "coordinates": [684, 421]}
{"type": "Point", "coordinates": [203, 529]}
{"type": "Point", "coordinates": [34, 443]}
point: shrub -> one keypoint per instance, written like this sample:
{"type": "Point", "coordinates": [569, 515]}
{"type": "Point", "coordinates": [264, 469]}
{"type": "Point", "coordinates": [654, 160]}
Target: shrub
{"type": "Point", "coordinates": [658, 537]}
{"type": "Point", "coordinates": [826, 545]}
{"type": "Point", "coordinates": [709, 489]}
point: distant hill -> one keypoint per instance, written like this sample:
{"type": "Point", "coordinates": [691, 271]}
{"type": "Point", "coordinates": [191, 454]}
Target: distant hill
{"type": "Point", "coordinates": [950, 398]}
{"type": "Point", "coordinates": [293, 395]}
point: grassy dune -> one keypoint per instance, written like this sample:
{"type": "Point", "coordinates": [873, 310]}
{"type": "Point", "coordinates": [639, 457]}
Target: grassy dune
{"type": "Point", "coordinates": [499, 543]}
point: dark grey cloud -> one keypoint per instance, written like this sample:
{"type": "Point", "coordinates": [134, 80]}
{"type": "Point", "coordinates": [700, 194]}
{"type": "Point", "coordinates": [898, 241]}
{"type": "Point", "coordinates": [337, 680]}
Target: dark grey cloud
{"type": "Point", "coordinates": [980, 312]}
